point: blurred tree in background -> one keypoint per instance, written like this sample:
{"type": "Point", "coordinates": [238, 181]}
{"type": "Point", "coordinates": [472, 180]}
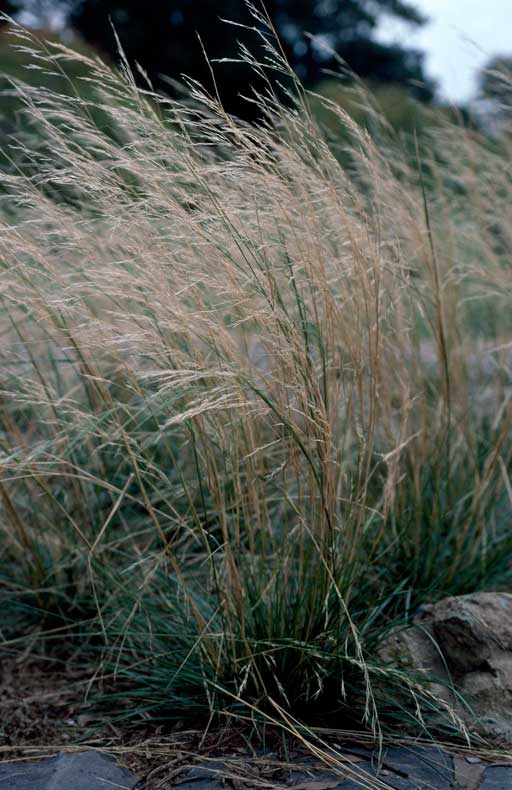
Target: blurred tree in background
{"type": "Point", "coordinates": [8, 7]}
{"type": "Point", "coordinates": [162, 36]}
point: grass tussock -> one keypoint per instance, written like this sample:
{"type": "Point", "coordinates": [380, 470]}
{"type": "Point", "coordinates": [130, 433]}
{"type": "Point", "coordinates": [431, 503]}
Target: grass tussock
{"type": "Point", "coordinates": [255, 397]}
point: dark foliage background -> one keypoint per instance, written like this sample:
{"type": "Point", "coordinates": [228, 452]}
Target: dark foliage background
{"type": "Point", "coordinates": [162, 35]}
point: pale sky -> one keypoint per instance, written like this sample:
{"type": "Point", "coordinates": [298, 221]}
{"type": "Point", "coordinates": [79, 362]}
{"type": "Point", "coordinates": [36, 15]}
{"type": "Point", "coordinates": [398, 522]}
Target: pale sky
{"type": "Point", "coordinates": [459, 39]}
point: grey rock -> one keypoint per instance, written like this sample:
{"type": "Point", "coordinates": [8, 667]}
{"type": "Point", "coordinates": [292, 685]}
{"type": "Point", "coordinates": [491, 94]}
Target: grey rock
{"type": "Point", "coordinates": [74, 771]}
{"type": "Point", "coordinates": [202, 784]}
{"type": "Point", "coordinates": [416, 649]}
{"type": "Point", "coordinates": [204, 776]}
{"type": "Point", "coordinates": [418, 768]}
{"type": "Point", "coordinates": [474, 630]}
{"type": "Point", "coordinates": [411, 768]}
{"type": "Point", "coordinates": [463, 645]}
{"type": "Point", "coordinates": [320, 779]}
{"type": "Point", "coordinates": [497, 778]}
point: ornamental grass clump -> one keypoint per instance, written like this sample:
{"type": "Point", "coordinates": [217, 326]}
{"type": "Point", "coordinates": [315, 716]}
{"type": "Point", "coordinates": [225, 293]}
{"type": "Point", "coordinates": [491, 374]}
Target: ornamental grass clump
{"type": "Point", "coordinates": [255, 397]}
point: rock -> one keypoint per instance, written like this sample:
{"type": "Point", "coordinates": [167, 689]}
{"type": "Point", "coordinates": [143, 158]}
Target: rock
{"type": "Point", "coordinates": [73, 771]}
{"type": "Point", "coordinates": [394, 768]}
{"type": "Point", "coordinates": [474, 630]}
{"type": "Point", "coordinates": [205, 776]}
{"type": "Point", "coordinates": [468, 774]}
{"type": "Point", "coordinates": [464, 643]}
{"type": "Point", "coordinates": [499, 778]}
{"type": "Point", "coordinates": [416, 768]}
{"type": "Point", "coordinates": [202, 784]}
{"type": "Point", "coordinates": [415, 650]}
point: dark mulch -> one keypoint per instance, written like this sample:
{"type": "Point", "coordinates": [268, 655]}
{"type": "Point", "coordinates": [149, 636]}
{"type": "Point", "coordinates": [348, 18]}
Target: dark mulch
{"type": "Point", "coordinates": [41, 703]}
{"type": "Point", "coordinates": [45, 708]}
